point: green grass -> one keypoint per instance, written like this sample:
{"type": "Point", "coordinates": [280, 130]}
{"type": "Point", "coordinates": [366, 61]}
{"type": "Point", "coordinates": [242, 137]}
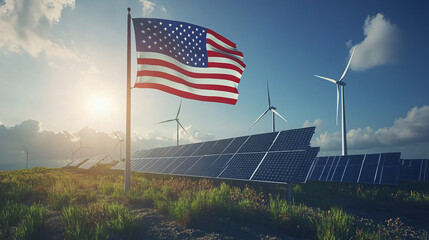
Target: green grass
{"type": "Point", "coordinates": [93, 204]}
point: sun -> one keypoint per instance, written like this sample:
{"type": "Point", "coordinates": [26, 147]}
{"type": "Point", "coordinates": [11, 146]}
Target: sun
{"type": "Point", "coordinates": [99, 105]}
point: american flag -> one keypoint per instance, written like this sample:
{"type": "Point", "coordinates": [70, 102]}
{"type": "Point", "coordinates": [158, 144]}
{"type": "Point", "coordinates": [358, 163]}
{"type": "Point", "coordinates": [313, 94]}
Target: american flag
{"type": "Point", "coordinates": [187, 60]}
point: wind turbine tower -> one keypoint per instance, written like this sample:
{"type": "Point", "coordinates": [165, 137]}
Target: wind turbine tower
{"type": "Point", "coordinates": [273, 112]}
{"type": "Point", "coordinates": [177, 123]}
{"type": "Point", "coordinates": [340, 84]}
{"type": "Point", "coordinates": [120, 141]}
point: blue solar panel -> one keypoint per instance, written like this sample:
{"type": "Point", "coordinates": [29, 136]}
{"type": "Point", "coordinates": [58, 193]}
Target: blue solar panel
{"type": "Point", "coordinates": [217, 166]}
{"type": "Point", "coordinates": [151, 162]}
{"type": "Point", "coordinates": [202, 165]}
{"type": "Point", "coordinates": [279, 166]}
{"type": "Point", "coordinates": [354, 166]}
{"type": "Point", "coordinates": [185, 165]}
{"type": "Point", "coordinates": [204, 148]}
{"type": "Point", "coordinates": [235, 144]}
{"type": "Point", "coordinates": [168, 152]}
{"type": "Point", "coordinates": [191, 149]}
{"type": "Point", "coordinates": [165, 163]}
{"type": "Point", "coordinates": [327, 168]}
{"type": "Point", "coordinates": [304, 168]}
{"type": "Point", "coordinates": [295, 139]}
{"type": "Point", "coordinates": [412, 170]}
{"type": "Point", "coordinates": [135, 165]}
{"type": "Point", "coordinates": [219, 146]}
{"type": "Point", "coordinates": [242, 166]}
{"type": "Point", "coordinates": [318, 167]}
{"type": "Point", "coordinates": [183, 149]}
{"type": "Point", "coordinates": [173, 165]}
{"type": "Point", "coordinates": [258, 143]}
{"type": "Point", "coordinates": [369, 168]}
{"type": "Point", "coordinates": [155, 165]}
{"type": "Point", "coordinates": [339, 169]}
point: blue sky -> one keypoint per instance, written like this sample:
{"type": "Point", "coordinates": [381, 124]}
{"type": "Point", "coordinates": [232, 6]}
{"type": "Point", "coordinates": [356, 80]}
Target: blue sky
{"type": "Point", "coordinates": [63, 64]}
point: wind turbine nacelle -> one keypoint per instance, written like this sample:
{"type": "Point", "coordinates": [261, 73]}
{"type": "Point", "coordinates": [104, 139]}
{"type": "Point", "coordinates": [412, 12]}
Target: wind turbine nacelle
{"type": "Point", "coordinates": [341, 83]}
{"type": "Point", "coordinates": [272, 107]}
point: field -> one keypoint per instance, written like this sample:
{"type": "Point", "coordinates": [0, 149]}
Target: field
{"type": "Point", "coordinates": [70, 203]}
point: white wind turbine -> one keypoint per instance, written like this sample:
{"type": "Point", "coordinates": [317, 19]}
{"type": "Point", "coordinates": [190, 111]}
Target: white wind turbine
{"type": "Point", "coordinates": [270, 108]}
{"type": "Point", "coordinates": [177, 122]}
{"type": "Point", "coordinates": [343, 107]}
{"type": "Point", "coordinates": [120, 141]}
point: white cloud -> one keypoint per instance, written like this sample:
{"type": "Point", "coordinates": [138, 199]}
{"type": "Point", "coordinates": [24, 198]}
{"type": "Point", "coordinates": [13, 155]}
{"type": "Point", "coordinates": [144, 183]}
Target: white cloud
{"type": "Point", "coordinates": [413, 129]}
{"type": "Point", "coordinates": [381, 45]}
{"type": "Point", "coordinates": [25, 26]}
{"type": "Point", "coordinates": [318, 123]}
{"type": "Point", "coordinates": [149, 7]}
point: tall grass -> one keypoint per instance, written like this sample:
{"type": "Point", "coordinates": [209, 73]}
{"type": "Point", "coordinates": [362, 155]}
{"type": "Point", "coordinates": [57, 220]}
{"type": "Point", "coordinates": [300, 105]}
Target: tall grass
{"type": "Point", "coordinates": [28, 220]}
{"type": "Point", "coordinates": [97, 220]}
{"type": "Point", "coordinates": [335, 224]}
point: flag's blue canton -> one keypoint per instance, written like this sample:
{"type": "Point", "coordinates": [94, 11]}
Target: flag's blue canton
{"type": "Point", "coordinates": [182, 41]}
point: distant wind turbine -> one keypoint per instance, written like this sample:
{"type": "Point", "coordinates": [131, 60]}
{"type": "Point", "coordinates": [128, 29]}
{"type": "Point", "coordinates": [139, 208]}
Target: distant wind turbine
{"type": "Point", "coordinates": [177, 122]}
{"type": "Point", "coordinates": [270, 108]}
{"type": "Point", "coordinates": [343, 107]}
{"type": "Point", "coordinates": [120, 141]}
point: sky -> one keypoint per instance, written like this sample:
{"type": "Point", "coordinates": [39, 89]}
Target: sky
{"type": "Point", "coordinates": [63, 76]}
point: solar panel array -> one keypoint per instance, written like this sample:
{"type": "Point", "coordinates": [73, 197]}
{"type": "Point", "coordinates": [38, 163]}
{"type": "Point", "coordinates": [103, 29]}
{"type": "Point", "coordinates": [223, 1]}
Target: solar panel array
{"type": "Point", "coordinates": [414, 170]}
{"type": "Point", "coordinates": [381, 168]}
{"type": "Point", "coordinates": [77, 162]}
{"type": "Point", "coordinates": [281, 157]}
{"type": "Point", "coordinates": [93, 161]}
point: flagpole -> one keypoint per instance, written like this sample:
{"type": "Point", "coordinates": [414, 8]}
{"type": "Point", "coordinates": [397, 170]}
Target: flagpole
{"type": "Point", "coordinates": [128, 121]}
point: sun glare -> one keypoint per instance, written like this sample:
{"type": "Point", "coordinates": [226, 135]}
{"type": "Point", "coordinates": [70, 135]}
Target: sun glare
{"type": "Point", "coordinates": [99, 105]}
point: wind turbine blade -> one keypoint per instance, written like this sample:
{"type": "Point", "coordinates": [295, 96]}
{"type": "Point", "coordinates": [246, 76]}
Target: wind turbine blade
{"type": "Point", "coordinates": [182, 127]}
{"type": "Point", "coordinates": [166, 121]}
{"type": "Point", "coordinates": [178, 112]}
{"type": "Point", "coordinates": [116, 135]}
{"type": "Point", "coordinates": [348, 64]}
{"type": "Point", "coordinates": [259, 118]}
{"type": "Point", "coordinates": [114, 147]}
{"type": "Point", "coordinates": [268, 91]}
{"type": "Point", "coordinates": [338, 102]}
{"type": "Point", "coordinates": [278, 114]}
{"type": "Point", "coordinates": [329, 79]}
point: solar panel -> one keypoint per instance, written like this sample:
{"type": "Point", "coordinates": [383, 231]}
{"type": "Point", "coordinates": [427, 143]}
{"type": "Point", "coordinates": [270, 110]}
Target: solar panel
{"type": "Point", "coordinates": [293, 139]}
{"type": "Point", "coordinates": [92, 161]}
{"type": "Point", "coordinates": [171, 150]}
{"type": "Point", "coordinates": [185, 165]}
{"type": "Point", "coordinates": [354, 166]}
{"type": "Point", "coordinates": [202, 165]}
{"type": "Point", "coordinates": [304, 167]}
{"type": "Point", "coordinates": [369, 168]}
{"type": "Point", "coordinates": [217, 166]}
{"type": "Point", "coordinates": [235, 144]}
{"type": "Point", "coordinates": [258, 143]}
{"type": "Point", "coordinates": [412, 170]}
{"type": "Point", "coordinates": [242, 165]}
{"type": "Point", "coordinates": [173, 165]}
{"type": "Point", "coordinates": [204, 148]}
{"type": "Point", "coordinates": [165, 162]}
{"type": "Point", "coordinates": [191, 149]}
{"type": "Point", "coordinates": [318, 167]}
{"type": "Point", "coordinates": [119, 166]}
{"type": "Point", "coordinates": [219, 146]}
{"type": "Point", "coordinates": [77, 162]}
{"type": "Point", "coordinates": [235, 158]}
{"type": "Point", "coordinates": [382, 168]}
{"type": "Point", "coordinates": [181, 150]}
{"type": "Point", "coordinates": [156, 164]}
{"type": "Point", "coordinates": [279, 166]}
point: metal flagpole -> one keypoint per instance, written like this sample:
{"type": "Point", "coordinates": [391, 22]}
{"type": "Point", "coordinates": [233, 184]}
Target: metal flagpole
{"type": "Point", "coordinates": [128, 121]}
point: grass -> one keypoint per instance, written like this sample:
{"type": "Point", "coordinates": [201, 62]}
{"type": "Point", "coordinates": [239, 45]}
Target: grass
{"type": "Point", "coordinates": [93, 204]}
